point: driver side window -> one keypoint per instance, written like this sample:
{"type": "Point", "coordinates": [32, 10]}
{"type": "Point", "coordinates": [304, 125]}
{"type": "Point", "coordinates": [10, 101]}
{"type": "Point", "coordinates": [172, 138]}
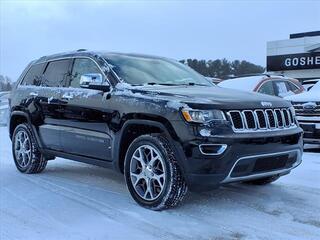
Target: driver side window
{"type": "Point", "coordinates": [82, 66]}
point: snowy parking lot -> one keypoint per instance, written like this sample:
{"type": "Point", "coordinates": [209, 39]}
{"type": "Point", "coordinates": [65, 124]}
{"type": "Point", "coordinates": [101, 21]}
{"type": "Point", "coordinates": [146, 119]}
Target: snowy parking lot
{"type": "Point", "coordinates": [71, 200]}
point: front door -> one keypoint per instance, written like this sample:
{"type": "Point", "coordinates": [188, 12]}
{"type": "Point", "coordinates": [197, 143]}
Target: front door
{"type": "Point", "coordinates": [85, 126]}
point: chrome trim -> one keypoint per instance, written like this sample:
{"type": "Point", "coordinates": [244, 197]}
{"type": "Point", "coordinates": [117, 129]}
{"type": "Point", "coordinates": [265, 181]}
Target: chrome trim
{"type": "Point", "coordinates": [229, 114]}
{"type": "Point", "coordinates": [71, 57]}
{"type": "Point", "coordinates": [246, 122]}
{"type": "Point", "coordinates": [221, 150]}
{"type": "Point", "coordinates": [257, 118]}
{"type": "Point", "coordinates": [275, 79]}
{"type": "Point", "coordinates": [266, 113]}
{"type": "Point", "coordinates": [265, 174]}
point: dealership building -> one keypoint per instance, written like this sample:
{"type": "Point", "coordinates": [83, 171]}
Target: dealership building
{"type": "Point", "coordinates": [297, 57]}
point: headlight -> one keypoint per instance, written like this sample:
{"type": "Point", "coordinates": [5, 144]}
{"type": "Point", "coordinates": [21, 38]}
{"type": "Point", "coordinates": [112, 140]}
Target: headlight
{"type": "Point", "coordinates": [202, 116]}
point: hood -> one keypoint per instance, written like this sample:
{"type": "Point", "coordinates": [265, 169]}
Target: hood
{"type": "Point", "coordinates": [202, 96]}
{"type": "Point", "coordinates": [313, 96]}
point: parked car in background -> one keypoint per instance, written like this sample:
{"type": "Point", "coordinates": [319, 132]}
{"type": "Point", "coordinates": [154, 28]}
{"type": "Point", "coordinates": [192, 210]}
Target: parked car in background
{"type": "Point", "coordinates": [307, 106]}
{"type": "Point", "coordinates": [308, 84]}
{"type": "Point", "coordinates": [263, 83]}
{"type": "Point", "coordinates": [4, 108]}
{"type": "Point", "coordinates": [214, 80]}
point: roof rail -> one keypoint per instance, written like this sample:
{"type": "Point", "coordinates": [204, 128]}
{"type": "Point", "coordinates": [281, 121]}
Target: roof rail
{"type": "Point", "coordinates": [251, 75]}
{"type": "Point", "coordinates": [81, 50]}
{"type": "Point", "coordinates": [256, 74]}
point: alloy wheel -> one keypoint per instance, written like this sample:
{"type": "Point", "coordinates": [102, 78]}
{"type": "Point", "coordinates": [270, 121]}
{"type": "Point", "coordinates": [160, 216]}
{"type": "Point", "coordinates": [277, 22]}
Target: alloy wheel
{"type": "Point", "coordinates": [147, 172]}
{"type": "Point", "coordinates": [22, 149]}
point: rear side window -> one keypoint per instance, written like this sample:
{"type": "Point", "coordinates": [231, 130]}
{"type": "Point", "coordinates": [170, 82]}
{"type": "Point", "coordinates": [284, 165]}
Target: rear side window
{"type": "Point", "coordinates": [292, 87]}
{"type": "Point", "coordinates": [34, 75]}
{"type": "Point", "coordinates": [56, 73]}
{"type": "Point", "coordinates": [281, 89]}
{"type": "Point", "coordinates": [267, 88]}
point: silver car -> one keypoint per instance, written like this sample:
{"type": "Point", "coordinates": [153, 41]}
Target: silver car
{"type": "Point", "coordinates": [4, 108]}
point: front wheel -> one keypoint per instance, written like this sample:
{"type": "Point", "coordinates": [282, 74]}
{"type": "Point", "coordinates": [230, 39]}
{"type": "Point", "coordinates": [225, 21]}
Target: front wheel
{"type": "Point", "coordinates": [152, 173]}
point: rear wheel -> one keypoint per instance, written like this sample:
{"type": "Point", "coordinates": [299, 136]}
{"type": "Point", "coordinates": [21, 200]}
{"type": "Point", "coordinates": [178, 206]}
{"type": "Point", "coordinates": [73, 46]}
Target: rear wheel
{"type": "Point", "coordinates": [152, 173]}
{"type": "Point", "coordinates": [263, 181]}
{"type": "Point", "coordinates": [26, 154]}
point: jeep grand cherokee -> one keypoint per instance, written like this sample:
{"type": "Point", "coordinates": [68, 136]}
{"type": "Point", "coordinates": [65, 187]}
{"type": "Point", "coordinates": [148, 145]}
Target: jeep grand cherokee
{"type": "Point", "coordinates": [161, 124]}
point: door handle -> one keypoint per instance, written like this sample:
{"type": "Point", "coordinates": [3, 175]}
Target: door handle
{"type": "Point", "coordinates": [67, 96]}
{"type": "Point", "coordinates": [34, 94]}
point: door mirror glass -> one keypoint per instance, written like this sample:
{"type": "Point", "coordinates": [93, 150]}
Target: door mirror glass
{"type": "Point", "coordinates": [94, 81]}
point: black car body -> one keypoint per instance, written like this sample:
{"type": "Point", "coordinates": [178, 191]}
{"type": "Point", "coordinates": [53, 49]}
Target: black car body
{"type": "Point", "coordinates": [255, 137]}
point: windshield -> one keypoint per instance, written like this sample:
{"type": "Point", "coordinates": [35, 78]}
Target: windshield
{"type": "Point", "coordinates": [138, 70]}
{"type": "Point", "coordinates": [316, 87]}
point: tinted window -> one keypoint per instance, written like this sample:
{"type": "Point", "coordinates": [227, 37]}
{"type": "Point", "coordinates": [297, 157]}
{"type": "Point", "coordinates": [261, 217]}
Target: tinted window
{"type": "Point", "coordinates": [267, 88]}
{"type": "Point", "coordinates": [34, 75]}
{"type": "Point", "coordinates": [56, 73]}
{"type": "Point", "coordinates": [281, 89]}
{"type": "Point", "coordinates": [292, 87]}
{"type": "Point", "coordinates": [82, 66]}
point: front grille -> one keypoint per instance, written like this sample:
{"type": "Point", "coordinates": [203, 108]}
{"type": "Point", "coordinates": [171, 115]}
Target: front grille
{"type": "Point", "coordinates": [261, 119]}
{"type": "Point", "coordinates": [302, 109]}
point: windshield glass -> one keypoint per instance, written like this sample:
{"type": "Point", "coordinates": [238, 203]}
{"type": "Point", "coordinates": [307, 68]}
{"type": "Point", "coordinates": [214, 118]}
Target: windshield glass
{"type": "Point", "coordinates": [316, 87]}
{"type": "Point", "coordinates": [138, 70]}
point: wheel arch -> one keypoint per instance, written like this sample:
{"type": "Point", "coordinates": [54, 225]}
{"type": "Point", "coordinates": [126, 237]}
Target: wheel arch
{"type": "Point", "coordinates": [133, 128]}
{"type": "Point", "coordinates": [18, 117]}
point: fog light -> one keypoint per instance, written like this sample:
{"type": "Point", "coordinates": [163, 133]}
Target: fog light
{"type": "Point", "coordinates": [212, 149]}
{"type": "Point", "coordinates": [205, 132]}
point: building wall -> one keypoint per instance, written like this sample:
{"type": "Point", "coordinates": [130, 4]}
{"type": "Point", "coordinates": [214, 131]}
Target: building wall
{"type": "Point", "coordinates": [307, 45]}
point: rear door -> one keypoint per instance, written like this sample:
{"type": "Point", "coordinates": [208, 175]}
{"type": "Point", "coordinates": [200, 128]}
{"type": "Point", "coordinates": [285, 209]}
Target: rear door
{"type": "Point", "coordinates": [54, 79]}
{"type": "Point", "coordinates": [85, 115]}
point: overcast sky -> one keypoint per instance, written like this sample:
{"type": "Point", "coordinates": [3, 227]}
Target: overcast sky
{"type": "Point", "coordinates": [203, 30]}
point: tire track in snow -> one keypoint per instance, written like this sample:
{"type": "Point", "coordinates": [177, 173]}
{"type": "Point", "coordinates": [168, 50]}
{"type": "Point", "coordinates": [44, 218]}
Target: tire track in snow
{"type": "Point", "coordinates": [111, 213]}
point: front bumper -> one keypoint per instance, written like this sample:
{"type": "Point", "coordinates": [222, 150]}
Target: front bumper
{"type": "Point", "coordinates": [246, 157]}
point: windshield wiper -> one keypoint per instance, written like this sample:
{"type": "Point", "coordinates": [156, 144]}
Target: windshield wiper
{"type": "Point", "coordinates": [176, 84]}
{"type": "Point", "coordinates": [162, 84]}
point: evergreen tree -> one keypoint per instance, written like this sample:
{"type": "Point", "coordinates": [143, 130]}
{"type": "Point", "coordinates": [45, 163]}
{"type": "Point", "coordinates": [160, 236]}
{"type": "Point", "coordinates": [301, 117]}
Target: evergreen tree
{"type": "Point", "coordinates": [222, 68]}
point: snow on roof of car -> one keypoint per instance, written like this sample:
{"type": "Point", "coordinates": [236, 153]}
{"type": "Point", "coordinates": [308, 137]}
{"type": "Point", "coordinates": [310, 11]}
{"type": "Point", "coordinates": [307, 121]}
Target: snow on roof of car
{"type": "Point", "coordinates": [242, 83]}
{"type": "Point", "coordinates": [312, 95]}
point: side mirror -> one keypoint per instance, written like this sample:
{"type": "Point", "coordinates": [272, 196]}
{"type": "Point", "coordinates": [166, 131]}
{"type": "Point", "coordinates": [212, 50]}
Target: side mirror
{"type": "Point", "coordinates": [94, 81]}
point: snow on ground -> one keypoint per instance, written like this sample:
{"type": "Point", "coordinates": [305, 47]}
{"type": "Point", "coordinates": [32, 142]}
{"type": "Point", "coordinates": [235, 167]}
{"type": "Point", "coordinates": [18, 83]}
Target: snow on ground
{"type": "Point", "coordinates": [71, 200]}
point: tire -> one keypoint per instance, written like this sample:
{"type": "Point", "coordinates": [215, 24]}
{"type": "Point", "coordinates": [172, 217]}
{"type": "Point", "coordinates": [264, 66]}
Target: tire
{"type": "Point", "coordinates": [26, 154]}
{"type": "Point", "coordinates": [167, 186]}
{"type": "Point", "coordinates": [263, 181]}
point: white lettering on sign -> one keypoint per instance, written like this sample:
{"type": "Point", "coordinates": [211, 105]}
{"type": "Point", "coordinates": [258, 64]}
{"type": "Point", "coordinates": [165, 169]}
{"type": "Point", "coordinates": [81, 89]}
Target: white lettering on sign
{"type": "Point", "coordinates": [287, 62]}
{"type": "Point", "coordinates": [295, 61]}
{"type": "Point", "coordinates": [302, 61]}
{"type": "Point", "coordinates": [309, 60]}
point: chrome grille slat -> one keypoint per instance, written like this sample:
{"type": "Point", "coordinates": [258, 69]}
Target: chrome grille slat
{"type": "Point", "coordinates": [261, 120]}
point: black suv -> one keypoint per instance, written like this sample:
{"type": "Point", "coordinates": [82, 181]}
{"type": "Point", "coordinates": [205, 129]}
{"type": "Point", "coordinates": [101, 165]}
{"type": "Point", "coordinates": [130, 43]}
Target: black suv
{"type": "Point", "coordinates": [154, 119]}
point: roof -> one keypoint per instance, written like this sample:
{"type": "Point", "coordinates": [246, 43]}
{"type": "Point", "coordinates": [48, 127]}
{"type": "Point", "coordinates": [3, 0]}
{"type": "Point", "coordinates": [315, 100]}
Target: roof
{"type": "Point", "coordinates": [249, 83]}
{"type": "Point", "coordinates": [242, 83]}
{"type": "Point", "coordinates": [83, 52]}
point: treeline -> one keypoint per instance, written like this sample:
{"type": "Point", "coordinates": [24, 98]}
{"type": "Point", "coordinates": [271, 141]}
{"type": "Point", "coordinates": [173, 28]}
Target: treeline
{"type": "Point", "coordinates": [5, 83]}
{"type": "Point", "coordinates": [222, 68]}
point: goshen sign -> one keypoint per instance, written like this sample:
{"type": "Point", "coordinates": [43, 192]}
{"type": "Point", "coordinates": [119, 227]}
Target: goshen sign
{"type": "Point", "coordinates": [294, 61]}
